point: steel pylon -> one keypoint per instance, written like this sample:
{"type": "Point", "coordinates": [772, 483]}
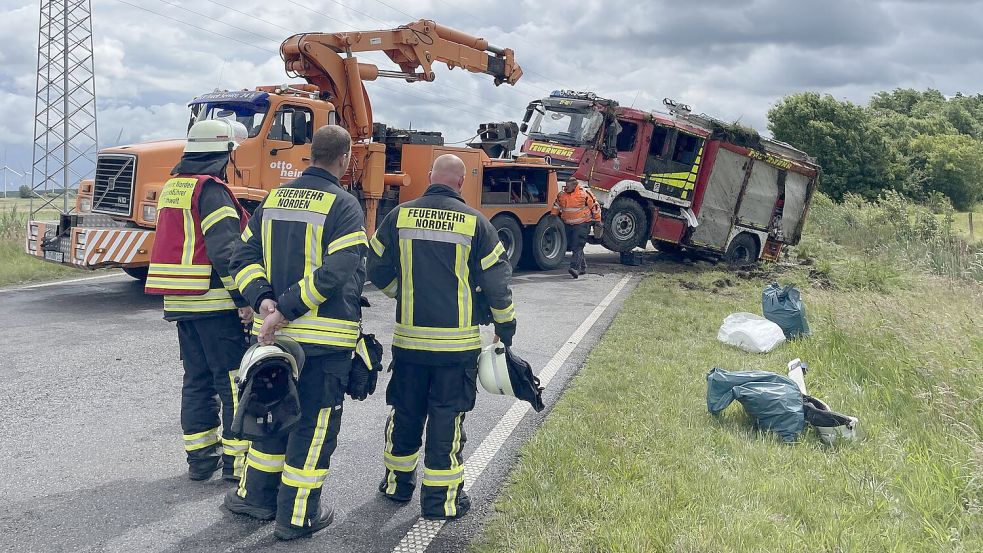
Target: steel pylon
{"type": "Point", "coordinates": [65, 133]}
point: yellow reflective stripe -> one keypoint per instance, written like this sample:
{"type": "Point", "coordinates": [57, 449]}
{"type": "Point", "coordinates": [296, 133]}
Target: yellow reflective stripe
{"type": "Point", "coordinates": [492, 258]}
{"type": "Point", "coordinates": [179, 269]}
{"type": "Point", "coordinates": [390, 475]}
{"type": "Point", "coordinates": [301, 478]}
{"type": "Point", "coordinates": [450, 503]}
{"type": "Point", "coordinates": [212, 300]}
{"type": "Point", "coordinates": [218, 215]}
{"type": "Point", "coordinates": [406, 263]}
{"type": "Point", "coordinates": [406, 463]}
{"type": "Point", "coordinates": [313, 453]}
{"type": "Point", "coordinates": [247, 233]}
{"type": "Point", "coordinates": [390, 290]}
{"type": "Point", "coordinates": [188, 254]}
{"type": "Point", "coordinates": [463, 253]}
{"type": "Point", "coordinates": [267, 236]}
{"type": "Point", "coordinates": [309, 293]}
{"type": "Point", "coordinates": [265, 462]}
{"type": "Point", "coordinates": [436, 219]}
{"type": "Point", "coordinates": [436, 339]}
{"type": "Point", "coordinates": [178, 283]}
{"type": "Point", "coordinates": [229, 283]}
{"type": "Point", "coordinates": [356, 238]}
{"type": "Point", "coordinates": [201, 440]}
{"type": "Point", "coordinates": [248, 274]}
{"type": "Point", "coordinates": [312, 329]}
{"type": "Point", "coordinates": [309, 250]}
{"type": "Point", "coordinates": [504, 315]}
{"type": "Point", "coordinates": [443, 477]}
{"type": "Point", "coordinates": [377, 246]}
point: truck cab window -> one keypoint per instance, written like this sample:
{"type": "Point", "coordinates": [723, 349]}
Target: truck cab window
{"type": "Point", "coordinates": [292, 124]}
{"type": "Point", "coordinates": [627, 136]}
{"type": "Point", "coordinates": [658, 145]}
{"type": "Point", "coordinates": [686, 148]}
{"type": "Point", "coordinates": [513, 186]}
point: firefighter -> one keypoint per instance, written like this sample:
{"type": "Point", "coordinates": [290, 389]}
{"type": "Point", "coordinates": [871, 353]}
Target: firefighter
{"type": "Point", "coordinates": [444, 264]}
{"type": "Point", "coordinates": [301, 265]}
{"type": "Point", "coordinates": [198, 224]}
{"type": "Point", "coordinates": [579, 211]}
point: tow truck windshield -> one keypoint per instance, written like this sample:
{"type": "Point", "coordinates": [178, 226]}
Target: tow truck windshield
{"type": "Point", "coordinates": [567, 126]}
{"type": "Point", "coordinates": [250, 116]}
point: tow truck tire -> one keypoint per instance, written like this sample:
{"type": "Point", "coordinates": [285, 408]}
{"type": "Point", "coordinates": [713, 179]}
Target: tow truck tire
{"type": "Point", "coordinates": [625, 225]}
{"type": "Point", "coordinates": [743, 250]}
{"type": "Point", "coordinates": [510, 234]}
{"type": "Point", "coordinates": [546, 244]}
{"type": "Point", "coordinates": [139, 273]}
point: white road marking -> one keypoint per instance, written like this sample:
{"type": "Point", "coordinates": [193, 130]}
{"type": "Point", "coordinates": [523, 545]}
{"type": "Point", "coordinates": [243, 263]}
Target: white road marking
{"type": "Point", "coordinates": [59, 282]}
{"type": "Point", "coordinates": [422, 533]}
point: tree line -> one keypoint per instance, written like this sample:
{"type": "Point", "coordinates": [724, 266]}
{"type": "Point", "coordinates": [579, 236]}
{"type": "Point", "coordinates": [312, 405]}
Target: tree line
{"type": "Point", "coordinates": [919, 143]}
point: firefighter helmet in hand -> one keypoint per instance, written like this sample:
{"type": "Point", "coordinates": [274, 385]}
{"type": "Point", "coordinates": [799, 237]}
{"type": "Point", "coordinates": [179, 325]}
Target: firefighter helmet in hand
{"type": "Point", "coordinates": [502, 372]}
{"type": "Point", "coordinates": [215, 135]}
{"type": "Point", "coordinates": [267, 385]}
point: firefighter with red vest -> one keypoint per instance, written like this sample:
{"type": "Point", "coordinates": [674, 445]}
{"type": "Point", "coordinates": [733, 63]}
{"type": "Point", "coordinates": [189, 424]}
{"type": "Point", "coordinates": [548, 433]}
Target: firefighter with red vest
{"type": "Point", "coordinates": [198, 223]}
{"type": "Point", "coordinates": [579, 210]}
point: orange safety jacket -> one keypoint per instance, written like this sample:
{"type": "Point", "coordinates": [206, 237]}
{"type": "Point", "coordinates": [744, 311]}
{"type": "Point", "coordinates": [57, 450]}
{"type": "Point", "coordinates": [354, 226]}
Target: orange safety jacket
{"type": "Point", "coordinates": [577, 207]}
{"type": "Point", "coordinates": [179, 263]}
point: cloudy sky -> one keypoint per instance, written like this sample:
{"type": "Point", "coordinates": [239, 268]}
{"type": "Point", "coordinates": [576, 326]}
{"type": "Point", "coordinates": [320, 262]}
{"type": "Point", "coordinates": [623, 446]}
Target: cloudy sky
{"type": "Point", "coordinates": [727, 58]}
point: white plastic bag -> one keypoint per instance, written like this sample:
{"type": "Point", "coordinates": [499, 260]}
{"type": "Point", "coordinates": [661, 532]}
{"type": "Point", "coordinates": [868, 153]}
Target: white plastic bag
{"type": "Point", "coordinates": [750, 332]}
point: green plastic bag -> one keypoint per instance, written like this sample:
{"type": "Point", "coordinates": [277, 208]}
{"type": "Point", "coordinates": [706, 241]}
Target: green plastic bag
{"type": "Point", "coordinates": [784, 307]}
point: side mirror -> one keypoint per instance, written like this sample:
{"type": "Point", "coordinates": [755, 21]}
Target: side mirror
{"type": "Point", "coordinates": [523, 127]}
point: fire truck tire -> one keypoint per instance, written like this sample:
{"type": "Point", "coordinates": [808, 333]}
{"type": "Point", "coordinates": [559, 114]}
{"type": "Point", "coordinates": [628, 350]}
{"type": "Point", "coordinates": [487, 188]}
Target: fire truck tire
{"type": "Point", "coordinates": [139, 273]}
{"type": "Point", "coordinates": [510, 233]}
{"type": "Point", "coordinates": [625, 225]}
{"type": "Point", "coordinates": [743, 250]}
{"type": "Point", "coordinates": [545, 245]}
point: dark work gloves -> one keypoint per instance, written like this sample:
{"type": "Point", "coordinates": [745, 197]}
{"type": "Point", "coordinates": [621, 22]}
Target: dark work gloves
{"type": "Point", "coordinates": [505, 331]}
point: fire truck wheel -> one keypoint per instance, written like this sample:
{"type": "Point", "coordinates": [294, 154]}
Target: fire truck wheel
{"type": "Point", "coordinates": [546, 244]}
{"type": "Point", "coordinates": [743, 250]}
{"type": "Point", "coordinates": [139, 273]}
{"type": "Point", "coordinates": [625, 225]}
{"type": "Point", "coordinates": [510, 233]}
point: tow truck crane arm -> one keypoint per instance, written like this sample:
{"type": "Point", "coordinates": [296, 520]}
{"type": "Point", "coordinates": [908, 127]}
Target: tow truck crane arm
{"type": "Point", "coordinates": [326, 61]}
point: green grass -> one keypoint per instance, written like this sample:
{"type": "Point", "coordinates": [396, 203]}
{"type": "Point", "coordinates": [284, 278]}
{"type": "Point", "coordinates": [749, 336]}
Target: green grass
{"type": "Point", "coordinates": [16, 267]}
{"type": "Point", "coordinates": [629, 459]}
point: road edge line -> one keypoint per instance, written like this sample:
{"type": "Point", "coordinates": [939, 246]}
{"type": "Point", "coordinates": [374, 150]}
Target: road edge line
{"type": "Point", "coordinates": [56, 283]}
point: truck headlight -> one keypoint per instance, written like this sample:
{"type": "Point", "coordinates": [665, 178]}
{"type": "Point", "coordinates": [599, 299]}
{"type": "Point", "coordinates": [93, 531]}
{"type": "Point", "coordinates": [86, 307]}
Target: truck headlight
{"type": "Point", "coordinates": [149, 213]}
{"type": "Point", "coordinates": [85, 205]}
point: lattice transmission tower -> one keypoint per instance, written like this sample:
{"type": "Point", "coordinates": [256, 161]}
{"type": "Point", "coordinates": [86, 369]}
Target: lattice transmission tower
{"type": "Point", "coordinates": [65, 134]}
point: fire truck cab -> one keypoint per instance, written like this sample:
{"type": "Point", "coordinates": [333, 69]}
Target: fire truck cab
{"type": "Point", "coordinates": [681, 180]}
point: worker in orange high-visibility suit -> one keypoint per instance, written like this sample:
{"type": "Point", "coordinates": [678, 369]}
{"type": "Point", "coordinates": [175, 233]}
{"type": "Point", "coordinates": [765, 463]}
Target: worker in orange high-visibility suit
{"type": "Point", "coordinates": [578, 209]}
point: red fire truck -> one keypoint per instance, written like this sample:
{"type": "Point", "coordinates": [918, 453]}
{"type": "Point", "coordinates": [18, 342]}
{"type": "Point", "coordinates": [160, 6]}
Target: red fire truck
{"type": "Point", "coordinates": [681, 180]}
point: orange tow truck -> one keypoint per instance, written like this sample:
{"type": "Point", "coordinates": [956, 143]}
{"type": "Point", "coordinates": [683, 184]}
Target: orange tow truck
{"type": "Point", "coordinates": [115, 213]}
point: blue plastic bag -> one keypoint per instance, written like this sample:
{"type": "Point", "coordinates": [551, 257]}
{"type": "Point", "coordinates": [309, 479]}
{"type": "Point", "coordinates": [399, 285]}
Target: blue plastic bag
{"type": "Point", "coordinates": [784, 307]}
{"type": "Point", "coordinates": [773, 401]}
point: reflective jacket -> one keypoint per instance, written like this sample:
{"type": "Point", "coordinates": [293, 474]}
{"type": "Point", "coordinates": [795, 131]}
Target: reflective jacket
{"type": "Point", "coordinates": [577, 207]}
{"type": "Point", "coordinates": [304, 247]}
{"type": "Point", "coordinates": [198, 223]}
{"type": "Point", "coordinates": [433, 255]}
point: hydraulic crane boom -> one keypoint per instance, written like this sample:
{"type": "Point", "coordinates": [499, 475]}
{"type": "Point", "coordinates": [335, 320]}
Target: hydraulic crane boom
{"type": "Point", "coordinates": [326, 60]}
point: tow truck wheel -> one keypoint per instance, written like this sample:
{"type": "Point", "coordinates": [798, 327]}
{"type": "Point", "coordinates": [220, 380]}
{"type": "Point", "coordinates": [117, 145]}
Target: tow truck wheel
{"type": "Point", "coordinates": [510, 234]}
{"type": "Point", "coordinates": [625, 225]}
{"type": "Point", "coordinates": [743, 250]}
{"type": "Point", "coordinates": [546, 245]}
{"type": "Point", "coordinates": [139, 273]}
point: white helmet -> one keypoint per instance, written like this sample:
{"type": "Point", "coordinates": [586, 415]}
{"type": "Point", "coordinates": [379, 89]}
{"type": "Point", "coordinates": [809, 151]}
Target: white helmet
{"type": "Point", "coordinates": [493, 370]}
{"type": "Point", "coordinates": [285, 349]}
{"type": "Point", "coordinates": [215, 135]}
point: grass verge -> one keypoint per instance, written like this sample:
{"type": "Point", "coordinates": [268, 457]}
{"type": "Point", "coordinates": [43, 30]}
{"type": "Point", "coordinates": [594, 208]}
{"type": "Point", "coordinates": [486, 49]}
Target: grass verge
{"type": "Point", "coordinates": [630, 460]}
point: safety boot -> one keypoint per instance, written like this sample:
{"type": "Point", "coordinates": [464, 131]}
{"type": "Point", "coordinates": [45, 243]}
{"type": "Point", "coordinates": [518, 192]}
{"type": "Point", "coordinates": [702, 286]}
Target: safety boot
{"type": "Point", "coordinates": [573, 272]}
{"type": "Point", "coordinates": [238, 505]}
{"type": "Point", "coordinates": [203, 471]}
{"type": "Point", "coordinates": [463, 506]}
{"type": "Point", "coordinates": [323, 519]}
{"type": "Point", "coordinates": [398, 498]}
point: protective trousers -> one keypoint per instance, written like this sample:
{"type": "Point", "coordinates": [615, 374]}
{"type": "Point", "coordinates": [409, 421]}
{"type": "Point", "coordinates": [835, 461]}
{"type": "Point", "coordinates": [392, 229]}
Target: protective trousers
{"type": "Point", "coordinates": [287, 472]}
{"type": "Point", "coordinates": [577, 239]}
{"type": "Point", "coordinates": [435, 397]}
{"type": "Point", "coordinates": [211, 349]}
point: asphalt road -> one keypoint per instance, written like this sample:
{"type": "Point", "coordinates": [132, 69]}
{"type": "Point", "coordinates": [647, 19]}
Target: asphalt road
{"type": "Point", "coordinates": [91, 457]}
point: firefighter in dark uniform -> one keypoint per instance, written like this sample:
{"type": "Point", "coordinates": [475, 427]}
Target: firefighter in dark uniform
{"type": "Point", "coordinates": [301, 265]}
{"type": "Point", "coordinates": [198, 224]}
{"type": "Point", "coordinates": [444, 264]}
